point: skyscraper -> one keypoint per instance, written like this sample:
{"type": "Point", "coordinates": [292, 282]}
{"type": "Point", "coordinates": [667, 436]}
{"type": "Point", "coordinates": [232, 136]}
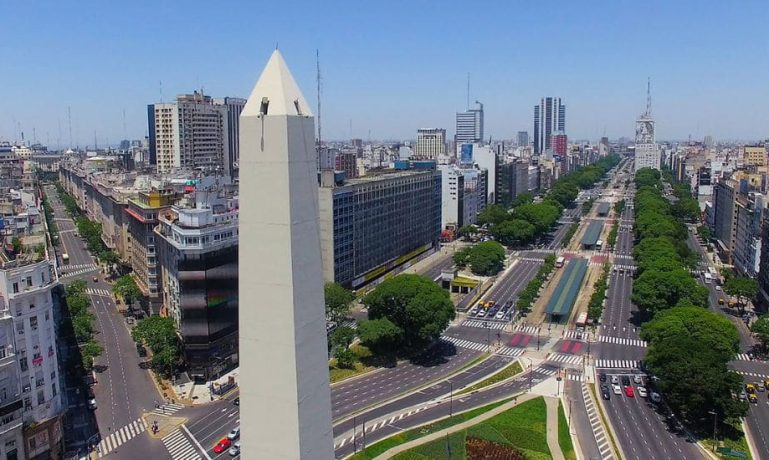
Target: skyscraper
{"type": "Point", "coordinates": [470, 126]}
{"type": "Point", "coordinates": [431, 142]}
{"type": "Point", "coordinates": [234, 106]}
{"type": "Point", "coordinates": [285, 406]}
{"type": "Point", "coordinates": [647, 154]}
{"type": "Point", "coordinates": [189, 133]}
{"type": "Point", "coordinates": [549, 117]}
{"type": "Point", "coordinates": [523, 138]}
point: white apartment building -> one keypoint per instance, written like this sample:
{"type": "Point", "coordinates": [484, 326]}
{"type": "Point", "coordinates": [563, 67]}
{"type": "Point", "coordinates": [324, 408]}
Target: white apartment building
{"type": "Point", "coordinates": [29, 371]}
{"type": "Point", "coordinates": [647, 154]}
{"type": "Point", "coordinates": [431, 142]}
{"type": "Point", "coordinates": [463, 195]}
{"type": "Point", "coordinates": [192, 132]}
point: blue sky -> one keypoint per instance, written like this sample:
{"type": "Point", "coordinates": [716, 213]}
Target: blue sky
{"type": "Point", "coordinates": [392, 67]}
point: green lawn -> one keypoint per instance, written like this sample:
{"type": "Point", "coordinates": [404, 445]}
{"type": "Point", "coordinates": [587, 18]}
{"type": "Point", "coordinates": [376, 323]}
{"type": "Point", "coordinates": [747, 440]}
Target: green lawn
{"type": "Point", "coordinates": [386, 444]}
{"type": "Point", "coordinates": [564, 440]}
{"type": "Point", "coordinates": [523, 427]}
{"type": "Point", "coordinates": [507, 372]}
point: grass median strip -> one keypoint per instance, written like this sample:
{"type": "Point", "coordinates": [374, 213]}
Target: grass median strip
{"type": "Point", "coordinates": [507, 372]}
{"type": "Point", "coordinates": [564, 439]}
{"type": "Point", "coordinates": [386, 444]}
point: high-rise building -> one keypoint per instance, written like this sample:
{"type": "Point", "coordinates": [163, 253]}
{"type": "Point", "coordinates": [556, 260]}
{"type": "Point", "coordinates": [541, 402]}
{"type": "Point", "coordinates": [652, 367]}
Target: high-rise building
{"type": "Point", "coordinates": [197, 251]}
{"type": "Point", "coordinates": [523, 138]}
{"type": "Point", "coordinates": [463, 195]}
{"type": "Point", "coordinates": [469, 126]}
{"type": "Point", "coordinates": [747, 234]}
{"type": "Point", "coordinates": [282, 271]}
{"type": "Point", "coordinates": [191, 132]}
{"type": "Point", "coordinates": [559, 143]}
{"type": "Point", "coordinates": [431, 142]}
{"type": "Point", "coordinates": [549, 117]}
{"type": "Point", "coordinates": [647, 154]}
{"type": "Point", "coordinates": [754, 155]}
{"type": "Point", "coordinates": [234, 106]}
{"type": "Point", "coordinates": [375, 223]}
{"type": "Point", "coordinates": [724, 206]}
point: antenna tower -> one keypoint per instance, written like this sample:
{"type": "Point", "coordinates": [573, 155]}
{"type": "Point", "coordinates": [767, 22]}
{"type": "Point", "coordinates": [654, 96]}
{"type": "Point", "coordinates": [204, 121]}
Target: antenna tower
{"type": "Point", "coordinates": [648, 98]}
{"type": "Point", "coordinates": [69, 119]}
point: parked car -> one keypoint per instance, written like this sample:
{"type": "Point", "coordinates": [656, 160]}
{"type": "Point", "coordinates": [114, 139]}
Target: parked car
{"type": "Point", "coordinates": [602, 377]}
{"type": "Point", "coordinates": [614, 379]}
{"type": "Point", "coordinates": [92, 404]}
{"type": "Point", "coordinates": [236, 401]}
{"type": "Point", "coordinates": [605, 393]}
{"type": "Point", "coordinates": [234, 434]}
{"type": "Point", "coordinates": [637, 379]}
{"type": "Point", "coordinates": [625, 380]}
{"type": "Point", "coordinates": [222, 445]}
{"type": "Point", "coordinates": [235, 449]}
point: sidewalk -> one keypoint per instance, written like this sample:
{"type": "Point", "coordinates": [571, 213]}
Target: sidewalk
{"type": "Point", "coordinates": [200, 393]}
{"type": "Point", "coordinates": [552, 428]}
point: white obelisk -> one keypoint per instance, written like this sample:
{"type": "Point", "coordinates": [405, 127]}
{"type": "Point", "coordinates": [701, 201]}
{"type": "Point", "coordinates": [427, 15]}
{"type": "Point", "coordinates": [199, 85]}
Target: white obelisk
{"type": "Point", "coordinates": [285, 408]}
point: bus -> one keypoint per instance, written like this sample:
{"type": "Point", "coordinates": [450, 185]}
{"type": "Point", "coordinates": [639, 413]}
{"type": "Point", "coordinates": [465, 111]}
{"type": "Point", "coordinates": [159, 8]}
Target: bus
{"type": "Point", "coordinates": [65, 258]}
{"type": "Point", "coordinates": [559, 262]}
{"type": "Point", "coordinates": [708, 278]}
{"type": "Point", "coordinates": [582, 319]}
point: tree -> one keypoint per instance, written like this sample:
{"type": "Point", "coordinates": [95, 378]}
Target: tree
{"type": "Point", "coordinates": [126, 287]}
{"type": "Point", "coordinates": [342, 337]}
{"type": "Point", "coordinates": [77, 304]}
{"type": "Point", "coordinates": [76, 287]}
{"type": "Point", "coordinates": [486, 258]}
{"type": "Point", "coordinates": [417, 308]}
{"type": "Point", "coordinates": [492, 215]}
{"type": "Point", "coordinates": [513, 232]}
{"type": "Point", "coordinates": [687, 208]}
{"type": "Point", "coordinates": [542, 216]}
{"type": "Point", "coordinates": [166, 360]}
{"type": "Point", "coordinates": [461, 257]}
{"type": "Point", "coordinates": [89, 352]}
{"type": "Point", "coordinates": [16, 242]}
{"type": "Point", "coordinates": [523, 198]}
{"type": "Point", "coordinates": [656, 290]}
{"type": "Point", "coordinates": [760, 328]}
{"type": "Point", "coordinates": [157, 332]}
{"type": "Point", "coordinates": [82, 325]}
{"type": "Point", "coordinates": [704, 232]}
{"type": "Point", "coordinates": [744, 289]}
{"type": "Point", "coordinates": [467, 230]}
{"type": "Point", "coordinates": [380, 335]}
{"type": "Point", "coordinates": [338, 300]}
{"type": "Point", "coordinates": [345, 359]}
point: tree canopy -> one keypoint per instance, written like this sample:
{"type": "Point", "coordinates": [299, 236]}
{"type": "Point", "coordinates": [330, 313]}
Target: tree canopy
{"type": "Point", "coordinates": [338, 300]}
{"type": "Point", "coordinates": [417, 308]}
{"type": "Point", "coordinates": [486, 258]}
{"type": "Point", "coordinates": [159, 334]}
{"type": "Point", "coordinates": [760, 328]}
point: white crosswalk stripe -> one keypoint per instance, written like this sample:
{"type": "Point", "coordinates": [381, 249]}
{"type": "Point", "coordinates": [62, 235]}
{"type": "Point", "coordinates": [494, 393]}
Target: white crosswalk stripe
{"type": "Point", "coordinates": [101, 292]}
{"type": "Point", "coordinates": [753, 374]}
{"type": "Point", "coordinates": [742, 357]}
{"type": "Point", "coordinates": [82, 271]}
{"type": "Point", "coordinates": [462, 343]}
{"type": "Point", "coordinates": [168, 409]}
{"type": "Point", "coordinates": [180, 447]}
{"type": "Point", "coordinates": [78, 267]}
{"type": "Point", "coordinates": [574, 377]}
{"type": "Point", "coordinates": [563, 358]}
{"type": "Point", "coordinates": [121, 436]}
{"type": "Point", "coordinates": [617, 364]}
{"type": "Point", "coordinates": [509, 351]}
{"type": "Point", "coordinates": [485, 324]}
{"type": "Point", "coordinates": [622, 341]}
{"type": "Point", "coordinates": [595, 424]}
{"type": "Point", "coordinates": [531, 330]}
{"type": "Point", "coordinates": [574, 335]}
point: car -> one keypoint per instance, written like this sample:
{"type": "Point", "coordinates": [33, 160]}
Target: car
{"type": "Point", "coordinates": [743, 395]}
{"type": "Point", "coordinates": [753, 398]}
{"type": "Point", "coordinates": [234, 434]}
{"type": "Point", "coordinates": [222, 445]}
{"type": "Point", "coordinates": [642, 392]}
{"type": "Point", "coordinates": [629, 391]}
{"type": "Point", "coordinates": [141, 350]}
{"type": "Point", "coordinates": [718, 288]}
{"type": "Point", "coordinates": [766, 384]}
{"type": "Point", "coordinates": [750, 388]}
{"type": "Point", "coordinates": [637, 379]}
{"type": "Point", "coordinates": [720, 301]}
{"type": "Point", "coordinates": [481, 313]}
{"type": "Point", "coordinates": [92, 404]}
{"type": "Point", "coordinates": [95, 279]}
{"type": "Point", "coordinates": [236, 401]}
{"type": "Point", "coordinates": [235, 449]}
{"type": "Point", "coordinates": [614, 379]}
{"type": "Point", "coordinates": [602, 377]}
{"type": "Point", "coordinates": [759, 387]}
{"type": "Point", "coordinates": [617, 389]}
{"type": "Point", "coordinates": [500, 315]}
{"type": "Point", "coordinates": [625, 380]}
{"type": "Point", "coordinates": [605, 393]}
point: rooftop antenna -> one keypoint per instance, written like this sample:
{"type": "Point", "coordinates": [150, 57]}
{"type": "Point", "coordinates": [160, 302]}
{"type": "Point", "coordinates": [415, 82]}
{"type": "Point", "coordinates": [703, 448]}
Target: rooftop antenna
{"type": "Point", "coordinates": [648, 98]}
{"type": "Point", "coordinates": [317, 78]}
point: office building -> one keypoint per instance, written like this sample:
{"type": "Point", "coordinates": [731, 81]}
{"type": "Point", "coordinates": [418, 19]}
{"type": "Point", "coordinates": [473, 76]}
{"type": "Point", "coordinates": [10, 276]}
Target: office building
{"type": "Point", "coordinates": [373, 224]}
{"type": "Point", "coordinates": [346, 161]}
{"type": "Point", "coordinates": [549, 117]}
{"type": "Point", "coordinates": [763, 266]}
{"type": "Point", "coordinates": [285, 414]}
{"type": "Point", "coordinates": [233, 105]}
{"type": "Point", "coordinates": [725, 212]}
{"type": "Point", "coordinates": [522, 139]}
{"type": "Point", "coordinates": [647, 154]}
{"type": "Point", "coordinates": [747, 241]}
{"type": "Point", "coordinates": [191, 133]}
{"type": "Point", "coordinates": [463, 195]}
{"type": "Point", "coordinates": [469, 126]}
{"type": "Point", "coordinates": [512, 180]}
{"type": "Point", "coordinates": [197, 251]}
{"type": "Point", "coordinates": [754, 155]}
{"type": "Point", "coordinates": [431, 142]}
{"type": "Point", "coordinates": [559, 143]}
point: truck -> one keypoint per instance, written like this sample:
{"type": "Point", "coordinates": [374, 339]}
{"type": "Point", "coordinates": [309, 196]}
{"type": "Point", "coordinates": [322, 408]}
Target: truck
{"type": "Point", "coordinates": [65, 258]}
{"type": "Point", "coordinates": [582, 320]}
{"type": "Point", "coordinates": [559, 262]}
{"type": "Point", "coordinates": [708, 278]}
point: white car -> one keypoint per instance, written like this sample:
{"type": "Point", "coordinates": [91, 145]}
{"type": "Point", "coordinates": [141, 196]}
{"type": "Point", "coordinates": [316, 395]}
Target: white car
{"type": "Point", "coordinates": [614, 379]}
{"type": "Point", "coordinates": [234, 434]}
{"type": "Point", "coordinates": [617, 389]}
{"type": "Point", "coordinates": [473, 311]}
{"type": "Point", "coordinates": [718, 288]}
{"type": "Point", "coordinates": [642, 392]}
{"type": "Point", "coordinates": [500, 315]}
{"type": "Point", "coordinates": [637, 378]}
{"type": "Point", "coordinates": [235, 449]}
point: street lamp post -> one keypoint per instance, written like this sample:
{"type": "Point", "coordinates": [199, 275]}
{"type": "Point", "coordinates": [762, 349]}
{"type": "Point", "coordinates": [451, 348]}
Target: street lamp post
{"type": "Point", "coordinates": [531, 371]}
{"type": "Point", "coordinates": [538, 328]}
{"type": "Point", "coordinates": [715, 418]}
{"type": "Point", "coordinates": [354, 437]}
{"type": "Point", "coordinates": [451, 399]}
{"type": "Point", "coordinates": [488, 335]}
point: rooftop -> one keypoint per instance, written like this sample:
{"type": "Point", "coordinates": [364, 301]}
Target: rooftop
{"type": "Point", "coordinates": [592, 233]}
{"type": "Point", "coordinates": [568, 287]}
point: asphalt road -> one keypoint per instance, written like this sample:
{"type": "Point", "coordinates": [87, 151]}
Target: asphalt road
{"type": "Point", "coordinates": [443, 262]}
{"type": "Point", "coordinates": [123, 390]}
{"type": "Point", "coordinates": [580, 422]}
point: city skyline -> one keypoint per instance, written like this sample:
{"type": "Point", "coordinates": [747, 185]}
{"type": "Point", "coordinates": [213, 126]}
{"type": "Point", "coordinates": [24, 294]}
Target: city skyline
{"type": "Point", "coordinates": [380, 86]}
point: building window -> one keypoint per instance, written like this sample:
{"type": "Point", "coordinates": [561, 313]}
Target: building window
{"type": "Point", "coordinates": [47, 316]}
{"type": "Point", "coordinates": [33, 322]}
{"type": "Point", "coordinates": [27, 404]}
{"type": "Point", "coordinates": [20, 327]}
{"type": "Point", "coordinates": [53, 389]}
{"type": "Point", "coordinates": [40, 397]}
{"type": "Point", "coordinates": [29, 281]}
{"type": "Point", "coordinates": [15, 288]}
{"type": "Point", "coordinates": [27, 388]}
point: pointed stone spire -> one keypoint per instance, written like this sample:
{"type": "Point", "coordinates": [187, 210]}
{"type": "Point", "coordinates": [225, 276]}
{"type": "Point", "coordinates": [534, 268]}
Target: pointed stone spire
{"type": "Point", "coordinates": [276, 91]}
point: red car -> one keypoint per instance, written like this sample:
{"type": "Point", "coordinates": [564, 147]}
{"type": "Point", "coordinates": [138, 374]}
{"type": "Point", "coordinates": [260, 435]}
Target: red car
{"type": "Point", "coordinates": [223, 445]}
{"type": "Point", "coordinates": [629, 391]}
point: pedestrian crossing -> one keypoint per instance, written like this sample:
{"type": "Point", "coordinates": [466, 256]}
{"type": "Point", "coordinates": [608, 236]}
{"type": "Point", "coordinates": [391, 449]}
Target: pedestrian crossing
{"type": "Point", "coordinates": [79, 266]}
{"type": "Point", "coordinates": [602, 441]}
{"type": "Point", "coordinates": [510, 351]}
{"type": "Point", "coordinates": [180, 447]}
{"type": "Point", "coordinates": [121, 436]}
{"type": "Point", "coordinates": [484, 324]}
{"type": "Point", "coordinates": [574, 377]}
{"type": "Point", "coordinates": [168, 409]}
{"type": "Point", "coordinates": [575, 335]}
{"type": "Point", "coordinates": [101, 292]}
{"type": "Point", "coordinates": [373, 426]}
{"type": "Point", "coordinates": [565, 358]}
{"type": "Point", "coordinates": [462, 343]}
{"type": "Point", "coordinates": [617, 364]}
{"type": "Point", "coordinates": [623, 341]}
{"type": "Point", "coordinates": [531, 330]}
{"type": "Point", "coordinates": [742, 357]}
{"type": "Point", "coordinates": [627, 268]}
{"type": "Point", "coordinates": [753, 374]}
{"type": "Point", "coordinates": [82, 271]}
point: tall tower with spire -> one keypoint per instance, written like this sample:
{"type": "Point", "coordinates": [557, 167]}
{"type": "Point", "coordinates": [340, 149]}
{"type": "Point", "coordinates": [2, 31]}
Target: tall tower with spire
{"type": "Point", "coordinates": [647, 154]}
{"type": "Point", "coordinates": [285, 406]}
